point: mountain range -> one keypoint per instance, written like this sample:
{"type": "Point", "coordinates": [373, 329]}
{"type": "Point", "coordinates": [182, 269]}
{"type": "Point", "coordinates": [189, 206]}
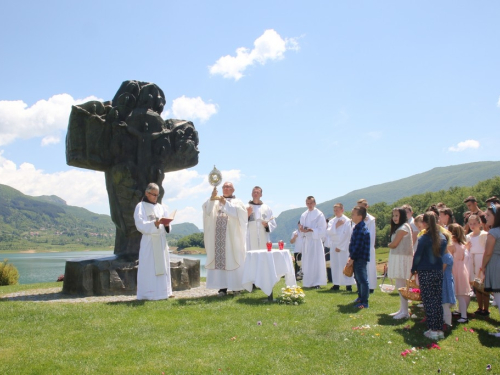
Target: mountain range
{"type": "Point", "coordinates": [28, 222]}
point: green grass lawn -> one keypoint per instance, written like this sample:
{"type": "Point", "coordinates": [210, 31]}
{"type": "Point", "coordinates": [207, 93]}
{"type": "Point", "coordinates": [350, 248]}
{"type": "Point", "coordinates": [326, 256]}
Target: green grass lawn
{"type": "Point", "coordinates": [222, 335]}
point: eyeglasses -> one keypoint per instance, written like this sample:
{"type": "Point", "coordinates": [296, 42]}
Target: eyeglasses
{"type": "Point", "coordinates": [154, 195]}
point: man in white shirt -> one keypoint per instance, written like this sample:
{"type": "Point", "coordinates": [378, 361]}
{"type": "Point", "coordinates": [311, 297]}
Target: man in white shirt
{"type": "Point", "coordinates": [260, 221]}
{"type": "Point", "coordinates": [312, 228]}
{"type": "Point", "coordinates": [339, 233]}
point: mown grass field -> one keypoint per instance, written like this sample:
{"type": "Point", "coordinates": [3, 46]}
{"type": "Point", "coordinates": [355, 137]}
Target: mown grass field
{"type": "Point", "coordinates": [326, 335]}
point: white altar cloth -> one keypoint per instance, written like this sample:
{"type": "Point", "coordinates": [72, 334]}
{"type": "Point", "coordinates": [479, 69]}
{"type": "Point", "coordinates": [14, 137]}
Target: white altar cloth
{"type": "Point", "coordinates": [265, 268]}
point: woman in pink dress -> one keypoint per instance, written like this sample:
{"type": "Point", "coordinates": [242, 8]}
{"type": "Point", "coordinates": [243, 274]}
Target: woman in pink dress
{"type": "Point", "coordinates": [460, 272]}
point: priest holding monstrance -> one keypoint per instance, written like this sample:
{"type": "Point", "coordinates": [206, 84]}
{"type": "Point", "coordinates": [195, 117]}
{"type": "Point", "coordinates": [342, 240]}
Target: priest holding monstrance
{"type": "Point", "coordinates": [225, 221]}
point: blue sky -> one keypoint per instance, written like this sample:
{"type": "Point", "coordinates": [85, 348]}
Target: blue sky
{"type": "Point", "coordinates": [316, 98]}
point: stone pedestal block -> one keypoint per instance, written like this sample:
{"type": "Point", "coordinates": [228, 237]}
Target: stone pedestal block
{"type": "Point", "coordinates": [114, 276]}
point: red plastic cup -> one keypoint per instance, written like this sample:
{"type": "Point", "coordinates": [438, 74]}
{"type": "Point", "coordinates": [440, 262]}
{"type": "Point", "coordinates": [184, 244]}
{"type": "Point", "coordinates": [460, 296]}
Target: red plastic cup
{"type": "Point", "coordinates": [281, 245]}
{"type": "Point", "coordinates": [269, 246]}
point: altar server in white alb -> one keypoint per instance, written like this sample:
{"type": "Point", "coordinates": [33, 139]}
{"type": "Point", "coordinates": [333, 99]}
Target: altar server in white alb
{"type": "Point", "coordinates": [372, 264]}
{"type": "Point", "coordinates": [313, 228]}
{"type": "Point", "coordinates": [153, 275]}
{"type": "Point", "coordinates": [225, 222]}
{"type": "Point", "coordinates": [260, 221]}
{"type": "Point", "coordinates": [339, 233]}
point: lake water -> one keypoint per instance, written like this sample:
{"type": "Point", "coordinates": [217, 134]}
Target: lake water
{"type": "Point", "coordinates": [46, 267]}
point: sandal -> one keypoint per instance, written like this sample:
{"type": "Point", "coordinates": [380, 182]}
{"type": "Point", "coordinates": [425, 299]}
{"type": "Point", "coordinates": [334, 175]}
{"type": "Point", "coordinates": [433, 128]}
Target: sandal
{"type": "Point", "coordinates": [362, 305]}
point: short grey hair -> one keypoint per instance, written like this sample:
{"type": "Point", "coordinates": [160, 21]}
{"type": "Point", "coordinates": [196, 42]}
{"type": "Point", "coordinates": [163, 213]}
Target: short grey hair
{"type": "Point", "coordinates": [152, 186]}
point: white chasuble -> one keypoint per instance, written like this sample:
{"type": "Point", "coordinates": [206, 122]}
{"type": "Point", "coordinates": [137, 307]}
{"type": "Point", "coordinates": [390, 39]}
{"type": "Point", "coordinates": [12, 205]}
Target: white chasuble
{"type": "Point", "coordinates": [225, 232]}
{"type": "Point", "coordinates": [257, 236]}
{"type": "Point", "coordinates": [313, 253]}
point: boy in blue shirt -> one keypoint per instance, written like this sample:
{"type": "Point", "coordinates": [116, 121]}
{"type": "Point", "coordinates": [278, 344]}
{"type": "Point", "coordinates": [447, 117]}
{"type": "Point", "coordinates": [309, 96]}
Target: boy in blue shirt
{"type": "Point", "coordinates": [359, 255]}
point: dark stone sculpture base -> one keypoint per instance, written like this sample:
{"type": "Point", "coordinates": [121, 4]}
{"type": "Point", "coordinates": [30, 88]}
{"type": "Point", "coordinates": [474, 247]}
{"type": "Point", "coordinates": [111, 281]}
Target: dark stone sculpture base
{"type": "Point", "coordinates": [111, 275]}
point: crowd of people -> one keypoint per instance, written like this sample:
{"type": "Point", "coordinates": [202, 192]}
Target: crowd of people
{"type": "Point", "coordinates": [451, 262]}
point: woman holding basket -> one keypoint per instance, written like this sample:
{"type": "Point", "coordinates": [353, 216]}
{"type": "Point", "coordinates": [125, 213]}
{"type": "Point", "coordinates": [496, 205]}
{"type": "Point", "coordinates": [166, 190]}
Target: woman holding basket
{"type": "Point", "coordinates": [400, 256]}
{"type": "Point", "coordinates": [428, 263]}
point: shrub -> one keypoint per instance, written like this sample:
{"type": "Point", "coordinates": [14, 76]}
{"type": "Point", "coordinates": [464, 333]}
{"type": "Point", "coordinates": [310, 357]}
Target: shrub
{"type": "Point", "coordinates": [8, 273]}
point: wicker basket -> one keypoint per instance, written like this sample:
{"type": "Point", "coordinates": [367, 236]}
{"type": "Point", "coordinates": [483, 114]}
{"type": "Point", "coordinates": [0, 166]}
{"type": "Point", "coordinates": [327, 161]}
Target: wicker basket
{"type": "Point", "coordinates": [407, 292]}
{"type": "Point", "coordinates": [479, 285]}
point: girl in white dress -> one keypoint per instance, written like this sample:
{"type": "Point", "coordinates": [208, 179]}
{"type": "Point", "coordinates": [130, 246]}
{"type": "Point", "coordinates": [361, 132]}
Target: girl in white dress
{"type": "Point", "coordinates": [400, 256]}
{"type": "Point", "coordinates": [476, 244]}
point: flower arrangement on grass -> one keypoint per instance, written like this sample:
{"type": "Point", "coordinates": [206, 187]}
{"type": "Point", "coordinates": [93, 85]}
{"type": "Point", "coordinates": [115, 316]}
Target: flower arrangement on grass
{"type": "Point", "coordinates": [291, 295]}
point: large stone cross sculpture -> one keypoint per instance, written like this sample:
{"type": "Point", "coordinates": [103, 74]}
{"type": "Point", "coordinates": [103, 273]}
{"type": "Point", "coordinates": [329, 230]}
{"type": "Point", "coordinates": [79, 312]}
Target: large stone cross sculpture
{"type": "Point", "coordinates": [130, 142]}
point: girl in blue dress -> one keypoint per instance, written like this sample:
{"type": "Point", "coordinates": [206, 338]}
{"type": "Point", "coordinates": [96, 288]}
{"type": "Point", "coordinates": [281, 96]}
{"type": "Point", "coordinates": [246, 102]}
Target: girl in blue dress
{"type": "Point", "coordinates": [448, 288]}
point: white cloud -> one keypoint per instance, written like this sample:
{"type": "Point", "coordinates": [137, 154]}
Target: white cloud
{"type": "Point", "coordinates": [45, 117]}
{"type": "Point", "coordinates": [188, 215]}
{"type": "Point", "coordinates": [462, 146]}
{"type": "Point", "coordinates": [269, 46]}
{"type": "Point", "coordinates": [192, 109]}
{"type": "Point", "coordinates": [48, 118]}
{"type": "Point", "coordinates": [189, 184]}
{"type": "Point", "coordinates": [50, 140]}
{"type": "Point", "coordinates": [77, 187]}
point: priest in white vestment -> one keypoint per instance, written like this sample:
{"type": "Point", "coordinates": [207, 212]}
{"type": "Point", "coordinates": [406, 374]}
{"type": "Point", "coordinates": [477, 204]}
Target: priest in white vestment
{"type": "Point", "coordinates": [153, 274]}
{"type": "Point", "coordinates": [225, 222]}
{"type": "Point", "coordinates": [260, 222]}
{"type": "Point", "coordinates": [372, 264]}
{"type": "Point", "coordinates": [313, 228]}
{"type": "Point", "coordinates": [339, 233]}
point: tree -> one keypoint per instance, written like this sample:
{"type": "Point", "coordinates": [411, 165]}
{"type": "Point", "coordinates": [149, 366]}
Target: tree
{"type": "Point", "coordinates": [9, 275]}
{"type": "Point", "coordinates": [193, 240]}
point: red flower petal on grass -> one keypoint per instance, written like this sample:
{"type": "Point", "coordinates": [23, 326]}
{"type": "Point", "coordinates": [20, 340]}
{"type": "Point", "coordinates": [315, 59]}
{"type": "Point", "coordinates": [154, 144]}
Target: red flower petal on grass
{"type": "Point", "coordinates": [471, 330]}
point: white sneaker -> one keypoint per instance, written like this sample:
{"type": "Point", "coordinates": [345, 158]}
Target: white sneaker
{"type": "Point", "coordinates": [401, 316]}
{"type": "Point", "coordinates": [396, 313]}
{"type": "Point", "coordinates": [434, 335]}
{"type": "Point", "coordinates": [495, 334]}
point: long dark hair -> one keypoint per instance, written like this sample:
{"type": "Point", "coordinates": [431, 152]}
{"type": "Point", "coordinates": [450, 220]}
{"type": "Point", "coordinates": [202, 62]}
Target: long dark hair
{"type": "Point", "coordinates": [496, 212]}
{"type": "Point", "coordinates": [448, 212]}
{"type": "Point", "coordinates": [402, 219]}
{"type": "Point", "coordinates": [433, 232]}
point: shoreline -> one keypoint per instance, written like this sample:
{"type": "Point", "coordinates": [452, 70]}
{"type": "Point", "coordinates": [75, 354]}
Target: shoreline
{"type": "Point", "coordinates": [35, 251]}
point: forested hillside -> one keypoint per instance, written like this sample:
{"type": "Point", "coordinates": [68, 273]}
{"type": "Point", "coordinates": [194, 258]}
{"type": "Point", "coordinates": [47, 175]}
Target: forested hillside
{"type": "Point", "coordinates": [47, 222]}
{"type": "Point", "coordinates": [33, 222]}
